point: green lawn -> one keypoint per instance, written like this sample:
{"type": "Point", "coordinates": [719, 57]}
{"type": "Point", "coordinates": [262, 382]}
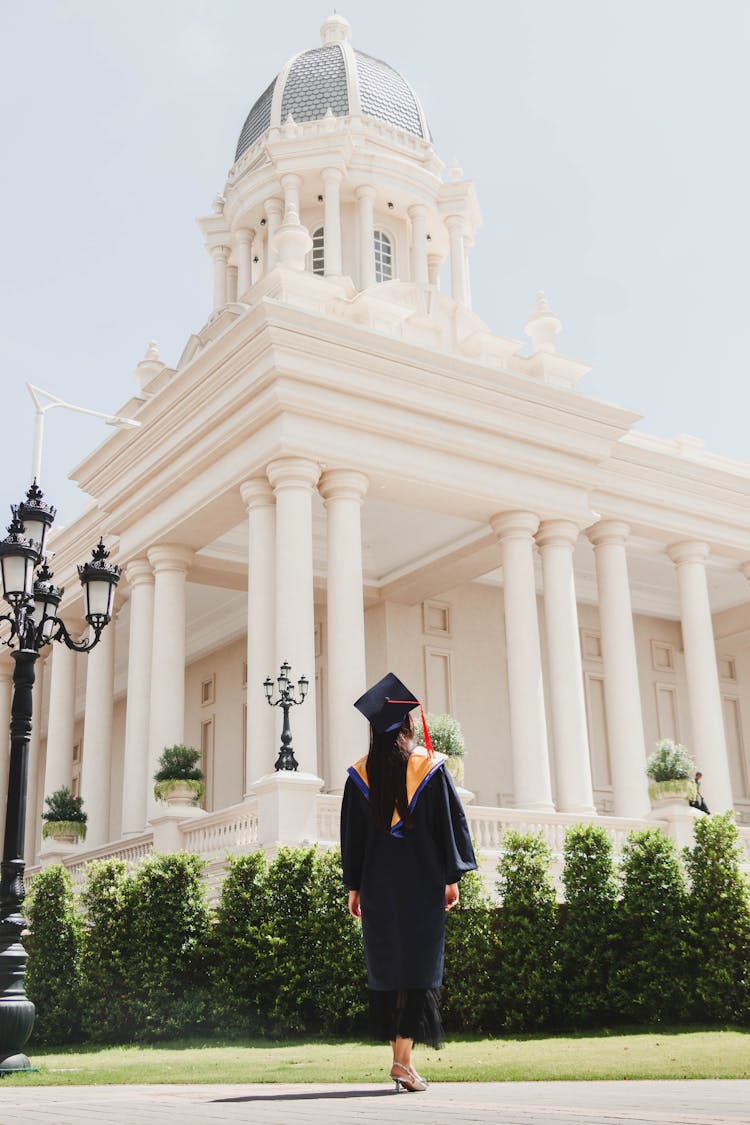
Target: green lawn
{"type": "Point", "coordinates": [666, 1054]}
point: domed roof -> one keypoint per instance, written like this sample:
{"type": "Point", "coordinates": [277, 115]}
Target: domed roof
{"type": "Point", "coordinates": [334, 77]}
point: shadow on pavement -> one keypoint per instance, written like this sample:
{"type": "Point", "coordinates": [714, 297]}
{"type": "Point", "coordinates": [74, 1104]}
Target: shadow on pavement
{"type": "Point", "coordinates": [320, 1095]}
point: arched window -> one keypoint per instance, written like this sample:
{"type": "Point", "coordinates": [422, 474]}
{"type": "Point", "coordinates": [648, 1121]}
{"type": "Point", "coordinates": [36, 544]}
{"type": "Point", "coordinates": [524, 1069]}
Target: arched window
{"type": "Point", "coordinates": [318, 252]}
{"type": "Point", "coordinates": [383, 256]}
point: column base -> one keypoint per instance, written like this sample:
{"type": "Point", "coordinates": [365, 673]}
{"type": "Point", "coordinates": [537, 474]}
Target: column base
{"type": "Point", "coordinates": [287, 807]}
{"type": "Point", "coordinates": [536, 806]}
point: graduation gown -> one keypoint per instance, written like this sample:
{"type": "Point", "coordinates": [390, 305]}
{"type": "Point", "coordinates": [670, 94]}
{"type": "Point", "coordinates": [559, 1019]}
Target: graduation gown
{"type": "Point", "coordinates": [401, 875]}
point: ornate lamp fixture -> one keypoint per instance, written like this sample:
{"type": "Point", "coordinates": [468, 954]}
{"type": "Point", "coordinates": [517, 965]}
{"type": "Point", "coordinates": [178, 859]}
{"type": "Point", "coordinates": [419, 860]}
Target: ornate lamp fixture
{"type": "Point", "coordinates": [287, 699]}
{"type": "Point", "coordinates": [33, 601]}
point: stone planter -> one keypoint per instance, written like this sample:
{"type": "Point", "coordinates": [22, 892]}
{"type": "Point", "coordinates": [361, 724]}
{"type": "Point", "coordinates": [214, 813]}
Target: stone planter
{"type": "Point", "coordinates": [179, 792]}
{"type": "Point", "coordinates": [674, 789]}
{"type": "Point", "coordinates": [455, 767]}
{"type": "Point", "coordinates": [64, 831]}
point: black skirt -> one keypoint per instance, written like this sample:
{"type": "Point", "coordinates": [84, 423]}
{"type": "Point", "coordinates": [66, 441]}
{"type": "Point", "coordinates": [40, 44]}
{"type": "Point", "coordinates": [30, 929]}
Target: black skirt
{"type": "Point", "coordinates": [409, 1013]}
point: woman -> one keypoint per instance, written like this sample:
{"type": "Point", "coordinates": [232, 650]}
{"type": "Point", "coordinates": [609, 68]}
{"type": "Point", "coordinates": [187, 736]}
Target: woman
{"type": "Point", "coordinates": [404, 846]}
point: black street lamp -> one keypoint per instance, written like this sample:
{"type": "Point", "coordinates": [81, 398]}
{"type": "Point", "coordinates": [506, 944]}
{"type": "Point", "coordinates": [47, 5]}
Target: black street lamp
{"type": "Point", "coordinates": [33, 623]}
{"type": "Point", "coordinates": [286, 759]}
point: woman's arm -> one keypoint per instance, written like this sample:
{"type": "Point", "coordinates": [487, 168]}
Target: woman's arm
{"type": "Point", "coordinates": [354, 907]}
{"type": "Point", "coordinates": [451, 896]}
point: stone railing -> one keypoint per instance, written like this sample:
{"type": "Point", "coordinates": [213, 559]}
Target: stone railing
{"type": "Point", "coordinates": [234, 829]}
{"type": "Point", "coordinates": [329, 816]}
{"type": "Point", "coordinates": [132, 850]}
{"type": "Point", "coordinates": [487, 824]}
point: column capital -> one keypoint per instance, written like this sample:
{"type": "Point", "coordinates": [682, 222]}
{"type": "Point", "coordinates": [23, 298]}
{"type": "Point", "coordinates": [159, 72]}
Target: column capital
{"type": "Point", "coordinates": [417, 211]}
{"type": "Point", "coordinates": [245, 235]}
{"type": "Point", "coordinates": [340, 484]}
{"type": "Point", "coordinates": [455, 222]}
{"type": "Point", "coordinates": [331, 176]}
{"type": "Point", "coordinates": [138, 572]}
{"type": "Point", "coordinates": [558, 533]}
{"type": "Point", "coordinates": [257, 493]}
{"type": "Point", "coordinates": [168, 556]}
{"type": "Point", "coordinates": [514, 525]}
{"type": "Point", "coordinates": [273, 206]}
{"type": "Point", "coordinates": [220, 253]}
{"type": "Point", "coordinates": [293, 472]}
{"type": "Point", "coordinates": [365, 191]}
{"type": "Point", "coordinates": [689, 551]}
{"type": "Point", "coordinates": [291, 180]}
{"type": "Point", "coordinates": [609, 533]}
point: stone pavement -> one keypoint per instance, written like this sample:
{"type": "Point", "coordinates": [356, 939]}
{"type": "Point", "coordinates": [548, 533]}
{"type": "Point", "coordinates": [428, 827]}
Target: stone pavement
{"type": "Point", "coordinates": [503, 1103]}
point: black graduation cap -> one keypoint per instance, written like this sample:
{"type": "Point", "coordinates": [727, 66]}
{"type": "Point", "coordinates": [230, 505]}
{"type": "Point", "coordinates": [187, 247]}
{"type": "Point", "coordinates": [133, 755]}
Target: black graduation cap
{"type": "Point", "coordinates": [387, 703]}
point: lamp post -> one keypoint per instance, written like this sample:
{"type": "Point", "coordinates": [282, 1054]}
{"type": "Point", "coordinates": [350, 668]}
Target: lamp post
{"type": "Point", "coordinates": [287, 698]}
{"type": "Point", "coordinates": [33, 623]}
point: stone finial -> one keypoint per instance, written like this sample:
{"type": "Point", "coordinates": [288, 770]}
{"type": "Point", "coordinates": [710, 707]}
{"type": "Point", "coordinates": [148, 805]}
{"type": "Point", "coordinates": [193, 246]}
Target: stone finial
{"type": "Point", "coordinates": [289, 128]}
{"type": "Point", "coordinates": [455, 172]}
{"type": "Point", "coordinates": [336, 29]}
{"type": "Point", "coordinates": [150, 366]}
{"type": "Point", "coordinates": [218, 205]}
{"type": "Point", "coordinates": [542, 326]}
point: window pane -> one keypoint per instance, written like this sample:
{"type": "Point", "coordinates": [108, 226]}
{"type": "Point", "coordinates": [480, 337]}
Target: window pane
{"type": "Point", "coordinates": [318, 251]}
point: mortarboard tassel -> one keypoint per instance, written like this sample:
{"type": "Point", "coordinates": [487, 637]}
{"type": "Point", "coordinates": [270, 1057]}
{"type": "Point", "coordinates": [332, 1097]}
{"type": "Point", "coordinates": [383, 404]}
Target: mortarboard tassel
{"type": "Point", "coordinates": [427, 740]}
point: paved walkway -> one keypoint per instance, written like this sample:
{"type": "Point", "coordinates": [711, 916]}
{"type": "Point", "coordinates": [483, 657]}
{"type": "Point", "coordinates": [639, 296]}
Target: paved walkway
{"type": "Point", "coordinates": [511, 1103]}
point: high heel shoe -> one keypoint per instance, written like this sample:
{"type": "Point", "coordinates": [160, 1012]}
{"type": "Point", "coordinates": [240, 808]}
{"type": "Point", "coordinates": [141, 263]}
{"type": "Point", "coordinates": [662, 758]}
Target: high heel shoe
{"type": "Point", "coordinates": [407, 1079]}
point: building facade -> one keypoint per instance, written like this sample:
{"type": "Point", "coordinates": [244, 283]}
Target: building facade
{"type": "Point", "coordinates": [349, 471]}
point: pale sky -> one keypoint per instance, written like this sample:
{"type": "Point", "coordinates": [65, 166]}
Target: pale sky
{"type": "Point", "coordinates": [607, 140]}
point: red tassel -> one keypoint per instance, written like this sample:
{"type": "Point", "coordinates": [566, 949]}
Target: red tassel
{"type": "Point", "coordinates": [427, 740]}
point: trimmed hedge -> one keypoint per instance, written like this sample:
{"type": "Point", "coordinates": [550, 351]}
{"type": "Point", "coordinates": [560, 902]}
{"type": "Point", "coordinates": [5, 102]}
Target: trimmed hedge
{"type": "Point", "coordinates": [281, 955]}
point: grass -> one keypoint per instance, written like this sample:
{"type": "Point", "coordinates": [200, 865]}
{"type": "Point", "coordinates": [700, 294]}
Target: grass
{"type": "Point", "coordinates": [602, 1055]}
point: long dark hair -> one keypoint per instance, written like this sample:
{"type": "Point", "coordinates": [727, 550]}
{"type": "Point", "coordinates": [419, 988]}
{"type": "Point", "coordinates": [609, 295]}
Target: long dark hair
{"type": "Point", "coordinates": [386, 774]}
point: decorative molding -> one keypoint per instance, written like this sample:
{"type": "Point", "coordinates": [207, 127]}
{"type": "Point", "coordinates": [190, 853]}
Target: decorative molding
{"type": "Point", "coordinates": [436, 618]}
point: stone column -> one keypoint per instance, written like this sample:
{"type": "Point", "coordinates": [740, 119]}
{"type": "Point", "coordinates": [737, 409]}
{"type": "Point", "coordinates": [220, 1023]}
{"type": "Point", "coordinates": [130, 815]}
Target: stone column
{"type": "Point", "coordinates": [258, 498]}
{"type": "Point", "coordinates": [231, 284]}
{"type": "Point", "coordinates": [167, 710]}
{"type": "Point", "coordinates": [293, 480]}
{"type": "Point", "coordinates": [622, 694]}
{"type": "Point", "coordinates": [332, 221]}
{"type": "Point", "coordinates": [709, 746]}
{"type": "Point", "coordinates": [273, 209]}
{"type": "Point", "coordinates": [455, 225]}
{"type": "Point", "coordinates": [61, 721]}
{"type": "Point", "coordinates": [136, 779]}
{"type": "Point", "coordinates": [96, 767]}
{"type": "Point", "coordinates": [418, 216]}
{"type": "Point", "coordinates": [34, 795]}
{"type": "Point", "coordinates": [467, 272]}
{"type": "Point", "coordinates": [6, 698]}
{"type": "Point", "coordinates": [556, 540]}
{"type": "Point", "coordinates": [220, 255]}
{"type": "Point", "coordinates": [244, 260]}
{"type": "Point", "coordinates": [528, 727]}
{"type": "Point", "coordinates": [366, 209]}
{"type": "Point", "coordinates": [291, 183]}
{"type": "Point", "coordinates": [343, 491]}
{"type": "Point", "coordinates": [434, 262]}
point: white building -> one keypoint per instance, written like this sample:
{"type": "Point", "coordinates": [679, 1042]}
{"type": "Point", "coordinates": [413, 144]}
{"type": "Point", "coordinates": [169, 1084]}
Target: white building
{"type": "Point", "coordinates": [349, 471]}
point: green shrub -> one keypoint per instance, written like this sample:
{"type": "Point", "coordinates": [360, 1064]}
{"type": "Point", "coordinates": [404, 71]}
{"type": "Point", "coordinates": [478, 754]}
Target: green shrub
{"type": "Point", "coordinates": [179, 763]}
{"type": "Point", "coordinates": [445, 733]}
{"type": "Point", "coordinates": [471, 952]}
{"type": "Point", "coordinates": [651, 982]}
{"type": "Point", "coordinates": [145, 951]}
{"type": "Point", "coordinates": [718, 909]}
{"type": "Point", "coordinates": [670, 761]}
{"type": "Point", "coordinates": [53, 972]}
{"type": "Point", "coordinates": [587, 934]}
{"type": "Point", "coordinates": [111, 959]}
{"type": "Point", "coordinates": [63, 807]}
{"type": "Point", "coordinates": [527, 923]}
{"type": "Point", "coordinates": [236, 942]}
{"type": "Point", "coordinates": [334, 947]}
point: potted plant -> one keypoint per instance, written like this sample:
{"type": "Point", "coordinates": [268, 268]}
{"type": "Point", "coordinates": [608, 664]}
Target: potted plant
{"type": "Point", "coordinates": [447, 738]}
{"type": "Point", "coordinates": [178, 779]}
{"type": "Point", "coordinates": [670, 770]}
{"type": "Point", "coordinates": [64, 818]}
